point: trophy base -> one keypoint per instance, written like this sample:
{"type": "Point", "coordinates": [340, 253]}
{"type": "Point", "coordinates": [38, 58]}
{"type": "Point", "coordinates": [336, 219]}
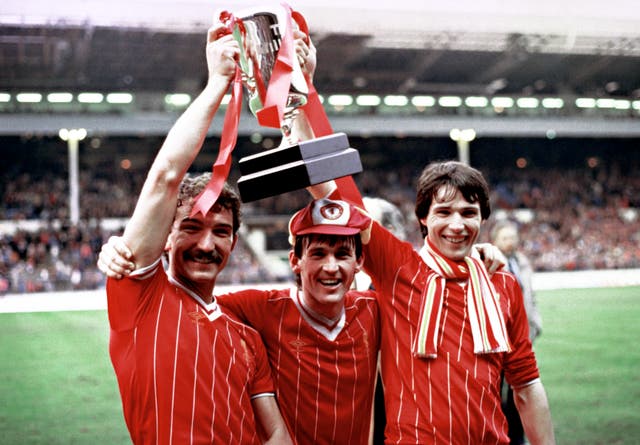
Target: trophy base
{"type": "Point", "coordinates": [285, 169]}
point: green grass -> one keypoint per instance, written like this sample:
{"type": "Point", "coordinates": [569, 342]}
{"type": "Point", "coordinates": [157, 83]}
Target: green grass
{"type": "Point", "coordinates": [56, 381]}
{"type": "Point", "coordinates": [590, 363]}
{"type": "Point", "coordinates": [57, 385]}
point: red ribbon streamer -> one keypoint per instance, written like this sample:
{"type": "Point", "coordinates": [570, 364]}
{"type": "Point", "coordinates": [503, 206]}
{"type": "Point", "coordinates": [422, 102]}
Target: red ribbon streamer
{"type": "Point", "coordinates": [220, 169]}
{"type": "Point", "coordinates": [270, 116]}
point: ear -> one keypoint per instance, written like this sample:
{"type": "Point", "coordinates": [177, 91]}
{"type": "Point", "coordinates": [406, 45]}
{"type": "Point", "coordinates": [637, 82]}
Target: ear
{"type": "Point", "coordinates": [359, 263]}
{"type": "Point", "coordinates": [234, 242]}
{"type": "Point", "coordinates": [294, 262]}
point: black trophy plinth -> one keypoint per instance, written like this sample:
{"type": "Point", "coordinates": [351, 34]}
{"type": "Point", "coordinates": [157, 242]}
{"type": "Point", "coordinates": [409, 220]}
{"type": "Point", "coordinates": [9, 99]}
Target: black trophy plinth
{"type": "Point", "coordinates": [285, 169]}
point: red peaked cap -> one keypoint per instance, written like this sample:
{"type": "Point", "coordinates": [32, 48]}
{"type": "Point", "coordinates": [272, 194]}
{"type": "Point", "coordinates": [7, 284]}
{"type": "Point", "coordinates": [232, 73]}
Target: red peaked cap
{"type": "Point", "coordinates": [329, 217]}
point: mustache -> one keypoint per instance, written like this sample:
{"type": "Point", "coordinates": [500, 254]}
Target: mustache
{"type": "Point", "coordinates": [209, 256]}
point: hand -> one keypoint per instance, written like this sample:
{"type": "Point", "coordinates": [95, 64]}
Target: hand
{"type": "Point", "coordinates": [305, 52]}
{"type": "Point", "coordinates": [115, 258]}
{"type": "Point", "coordinates": [493, 258]}
{"type": "Point", "coordinates": [222, 51]}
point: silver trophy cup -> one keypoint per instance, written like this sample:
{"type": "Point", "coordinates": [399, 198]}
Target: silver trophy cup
{"type": "Point", "coordinates": [295, 164]}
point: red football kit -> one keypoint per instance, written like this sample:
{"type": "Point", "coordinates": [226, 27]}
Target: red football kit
{"type": "Point", "coordinates": [453, 398]}
{"type": "Point", "coordinates": [324, 371]}
{"type": "Point", "coordinates": [186, 371]}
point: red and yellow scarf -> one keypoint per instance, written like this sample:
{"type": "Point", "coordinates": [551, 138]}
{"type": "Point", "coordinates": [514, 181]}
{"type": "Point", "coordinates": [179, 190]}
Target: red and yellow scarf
{"type": "Point", "coordinates": [483, 305]}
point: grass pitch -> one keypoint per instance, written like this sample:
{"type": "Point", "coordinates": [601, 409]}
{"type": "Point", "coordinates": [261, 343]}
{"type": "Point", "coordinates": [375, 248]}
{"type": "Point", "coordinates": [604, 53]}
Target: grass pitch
{"type": "Point", "coordinates": [57, 385]}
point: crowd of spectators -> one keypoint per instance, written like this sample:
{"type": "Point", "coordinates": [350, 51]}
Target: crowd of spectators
{"type": "Point", "coordinates": [580, 217]}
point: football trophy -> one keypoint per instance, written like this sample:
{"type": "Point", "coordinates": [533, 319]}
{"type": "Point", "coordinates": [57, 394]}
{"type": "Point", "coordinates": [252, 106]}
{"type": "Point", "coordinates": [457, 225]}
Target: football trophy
{"type": "Point", "coordinates": [262, 34]}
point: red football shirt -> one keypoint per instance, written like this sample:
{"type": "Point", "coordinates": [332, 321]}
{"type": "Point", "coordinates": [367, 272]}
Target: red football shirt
{"type": "Point", "coordinates": [186, 371]}
{"type": "Point", "coordinates": [455, 397]}
{"type": "Point", "coordinates": [324, 375]}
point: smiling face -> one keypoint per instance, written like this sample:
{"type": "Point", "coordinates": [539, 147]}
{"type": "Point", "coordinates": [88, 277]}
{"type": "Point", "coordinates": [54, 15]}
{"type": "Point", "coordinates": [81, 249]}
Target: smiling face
{"type": "Point", "coordinates": [199, 247]}
{"type": "Point", "coordinates": [453, 223]}
{"type": "Point", "coordinates": [327, 266]}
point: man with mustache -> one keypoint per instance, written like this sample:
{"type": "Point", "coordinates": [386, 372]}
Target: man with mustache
{"type": "Point", "coordinates": [188, 372]}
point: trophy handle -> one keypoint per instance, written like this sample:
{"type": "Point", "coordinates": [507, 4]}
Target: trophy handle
{"type": "Point", "coordinates": [298, 97]}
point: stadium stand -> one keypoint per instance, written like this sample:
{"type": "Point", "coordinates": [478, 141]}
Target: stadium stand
{"type": "Point", "coordinates": [578, 203]}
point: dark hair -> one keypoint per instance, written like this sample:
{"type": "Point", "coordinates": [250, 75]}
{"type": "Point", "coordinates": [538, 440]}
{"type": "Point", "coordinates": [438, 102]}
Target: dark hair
{"type": "Point", "coordinates": [302, 241]}
{"type": "Point", "coordinates": [457, 176]}
{"type": "Point", "coordinates": [192, 185]}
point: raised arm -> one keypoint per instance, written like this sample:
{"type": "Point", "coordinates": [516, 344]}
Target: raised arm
{"type": "Point", "coordinates": [146, 232]}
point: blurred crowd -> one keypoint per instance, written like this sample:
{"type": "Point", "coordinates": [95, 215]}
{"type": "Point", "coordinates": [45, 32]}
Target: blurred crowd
{"type": "Point", "coordinates": [571, 218]}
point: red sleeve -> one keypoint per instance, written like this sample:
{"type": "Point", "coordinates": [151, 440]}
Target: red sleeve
{"type": "Point", "coordinates": [247, 305]}
{"type": "Point", "coordinates": [262, 383]}
{"type": "Point", "coordinates": [384, 254]}
{"type": "Point", "coordinates": [520, 364]}
{"type": "Point", "coordinates": [127, 297]}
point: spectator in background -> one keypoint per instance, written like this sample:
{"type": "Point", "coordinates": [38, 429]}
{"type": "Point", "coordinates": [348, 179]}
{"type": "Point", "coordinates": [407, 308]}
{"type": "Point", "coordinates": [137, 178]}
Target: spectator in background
{"type": "Point", "coordinates": [504, 235]}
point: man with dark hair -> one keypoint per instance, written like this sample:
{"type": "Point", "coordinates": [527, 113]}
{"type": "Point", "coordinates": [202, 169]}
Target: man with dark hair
{"type": "Point", "coordinates": [187, 372]}
{"type": "Point", "coordinates": [322, 337]}
{"type": "Point", "coordinates": [449, 330]}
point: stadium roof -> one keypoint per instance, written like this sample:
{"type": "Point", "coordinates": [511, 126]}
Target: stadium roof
{"type": "Point", "coordinates": [472, 48]}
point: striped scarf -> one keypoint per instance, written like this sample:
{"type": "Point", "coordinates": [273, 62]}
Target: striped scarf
{"type": "Point", "coordinates": [483, 306]}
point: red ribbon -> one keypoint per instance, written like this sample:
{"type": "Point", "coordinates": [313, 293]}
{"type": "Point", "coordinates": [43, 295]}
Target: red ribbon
{"type": "Point", "coordinates": [220, 169]}
{"type": "Point", "coordinates": [270, 116]}
{"type": "Point", "coordinates": [272, 111]}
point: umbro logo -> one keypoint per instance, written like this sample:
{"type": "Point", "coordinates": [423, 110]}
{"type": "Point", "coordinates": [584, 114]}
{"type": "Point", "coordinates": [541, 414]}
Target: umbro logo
{"type": "Point", "coordinates": [197, 317]}
{"type": "Point", "coordinates": [297, 344]}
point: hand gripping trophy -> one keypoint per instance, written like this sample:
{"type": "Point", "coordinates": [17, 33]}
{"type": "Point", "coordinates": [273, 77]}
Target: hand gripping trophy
{"type": "Point", "coordinates": [277, 90]}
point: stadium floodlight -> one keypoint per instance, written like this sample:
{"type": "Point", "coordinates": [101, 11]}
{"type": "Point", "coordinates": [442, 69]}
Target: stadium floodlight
{"type": "Point", "coordinates": [585, 102]}
{"type": "Point", "coordinates": [450, 101]}
{"type": "Point", "coordinates": [423, 101]}
{"type": "Point", "coordinates": [502, 102]}
{"type": "Point", "coordinates": [368, 100]}
{"type": "Point", "coordinates": [462, 139]}
{"type": "Point", "coordinates": [72, 137]}
{"type": "Point", "coordinates": [90, 98]}
{"type": "Point", "coordinates": [476, 101]}
{"type": "Point", "coordinates": [606, 103]}
{"type": "Point", "coordinates": [340, 100]}
{"type": "Point", "coordinates": [5, 97]}
{"type": "Point", "coordinates": [467, 135]}
{"type": "Point", "coordinates": [119, 98]}
{"type": "Point", "coordinates": [527, 102]}
{"type": "Point", "coordinates": [178, 99]}
{"type": "Point", "coordinates": [552, 102]}
{"type": "Point", "coordinates": [29, 98]}
{"type": "Point", "coordinates": [59, 98]}
{"type": "Point", "coordinates": [396, 100]}
{"type": "Point", "coordinates": [77, 134]}
{"type": "Point", "coordinates": [623, 104]}
{"type": "Point", "coordinates": [636, 105]}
